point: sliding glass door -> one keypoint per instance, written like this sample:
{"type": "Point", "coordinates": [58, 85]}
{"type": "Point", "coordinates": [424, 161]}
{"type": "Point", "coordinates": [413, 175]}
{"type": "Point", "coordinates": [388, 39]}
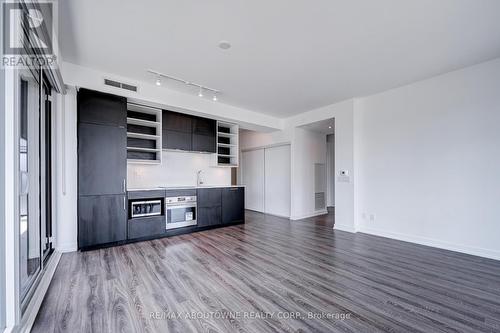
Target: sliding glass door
{"type": "Point", "coordinates": [29, 192]}
{"type": "Point", "coordinates": [34, 140]}
{"type": "Point", "coordinates": [46, 169]}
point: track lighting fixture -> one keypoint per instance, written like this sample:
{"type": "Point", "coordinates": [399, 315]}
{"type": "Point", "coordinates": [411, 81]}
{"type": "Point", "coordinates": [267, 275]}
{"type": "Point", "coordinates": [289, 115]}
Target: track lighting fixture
{"type": "Point", "coordinates": [201, 88]}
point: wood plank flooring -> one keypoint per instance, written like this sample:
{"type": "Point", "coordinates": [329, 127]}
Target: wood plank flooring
{"type": "Point", "coordinates": [272, 275]}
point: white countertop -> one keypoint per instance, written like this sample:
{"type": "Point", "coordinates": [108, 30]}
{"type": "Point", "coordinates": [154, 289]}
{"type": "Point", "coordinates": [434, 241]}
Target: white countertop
{"type": "Point", "coordinates": [181, 187]}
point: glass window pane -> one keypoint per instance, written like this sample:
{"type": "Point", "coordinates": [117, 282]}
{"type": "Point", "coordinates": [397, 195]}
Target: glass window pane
{"type": "Point", "coordinates": [29, 218]}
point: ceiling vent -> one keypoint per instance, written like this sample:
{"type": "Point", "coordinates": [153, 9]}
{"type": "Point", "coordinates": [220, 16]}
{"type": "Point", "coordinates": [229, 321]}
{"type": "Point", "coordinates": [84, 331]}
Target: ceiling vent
{"type": "Point", "coordinates": [120, 85]}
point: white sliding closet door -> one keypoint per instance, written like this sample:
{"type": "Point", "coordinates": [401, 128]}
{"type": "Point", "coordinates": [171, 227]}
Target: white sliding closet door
{"type": "Point", "coordinates": [252, 165]}
{"type": "Point", "coordinates": [277, 180]}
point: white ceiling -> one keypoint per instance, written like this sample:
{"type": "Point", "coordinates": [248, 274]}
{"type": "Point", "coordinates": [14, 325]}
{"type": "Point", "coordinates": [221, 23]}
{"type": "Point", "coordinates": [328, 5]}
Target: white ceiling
{"type": "Point", "coordinates": [287, 56]}
{"type": "Point", "coordinates": [326, 126]}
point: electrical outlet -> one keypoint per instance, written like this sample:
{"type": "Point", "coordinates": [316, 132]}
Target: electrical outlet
{"type": "Point", "coordinates": [372, 217]}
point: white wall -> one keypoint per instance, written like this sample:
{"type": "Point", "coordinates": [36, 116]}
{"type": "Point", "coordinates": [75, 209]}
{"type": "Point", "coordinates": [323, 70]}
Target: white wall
{"type": "Point", "coordinates": [177, 169]}
{"type": "Point", "coordinates": [430, 160]}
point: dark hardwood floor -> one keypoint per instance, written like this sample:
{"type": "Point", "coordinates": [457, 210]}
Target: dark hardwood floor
{"type": "Point", "coordinates": [272, 275]}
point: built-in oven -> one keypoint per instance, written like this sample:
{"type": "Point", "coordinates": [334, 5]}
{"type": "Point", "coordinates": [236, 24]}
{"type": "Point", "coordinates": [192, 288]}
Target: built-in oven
{"type": "Point", "coordinates": [180, 211]}
{"type": "Point", "coordinates": [146, 208]}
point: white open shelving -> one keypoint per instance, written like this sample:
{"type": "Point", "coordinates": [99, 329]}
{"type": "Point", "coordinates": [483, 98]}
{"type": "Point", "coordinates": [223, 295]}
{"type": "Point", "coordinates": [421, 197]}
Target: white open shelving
{"type": "Point", "coordinates": [143, 134]}
{"type": "Point", "coordinates": [227, 144]}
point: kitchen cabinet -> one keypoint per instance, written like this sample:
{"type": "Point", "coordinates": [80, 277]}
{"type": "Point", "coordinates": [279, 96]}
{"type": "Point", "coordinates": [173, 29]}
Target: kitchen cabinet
{"type": "Point", "coordinates": [174, 121]}
{"type": "Point", "coordinates": [95, 107]}
{"type": "Point", "coordinates": [189, 133]}
{"type": "Point", "coordinates": [209, 216]}
{"type": "Point", "coordinates": [177, 130]}
{"type": "Point", "coordinates": [233, 205]}
{"type": "Point", "coordinates": [204, 143]}
{"type": "Point", "coordinates": [209, 197]}
{"type": "Point", "coordinates": [204, 135]}
{"type": "Point", "coordinates": [102, 159]}
{"type": "Point", "coordinates": [102, 168]}
{"type": "Point", "coordinates": [177, 140]}
{"type": "Point", "coordinates": [146, 227]}
{"type": "Point", "coordinates": [209, 206]}
{"type": "Point", "coordinates": [204, 126]}
{"type": "Point", "coordinates": [101, 219]}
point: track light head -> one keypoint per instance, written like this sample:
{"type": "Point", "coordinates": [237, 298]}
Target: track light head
{"type": "Point", "coordinates": [158, 81]}
{"type": "Point", "coordinates": [214, 98]}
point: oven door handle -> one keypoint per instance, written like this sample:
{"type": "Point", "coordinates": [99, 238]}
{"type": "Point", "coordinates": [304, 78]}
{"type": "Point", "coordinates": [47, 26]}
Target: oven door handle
{"type": "Point", "coordinates": [170, 206]}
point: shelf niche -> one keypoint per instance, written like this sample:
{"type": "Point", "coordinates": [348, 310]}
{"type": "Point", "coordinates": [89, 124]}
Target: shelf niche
{"type": "Point", "coordinates": [143, 134]}
{"type": "Point", "coordinates": [227, 144]}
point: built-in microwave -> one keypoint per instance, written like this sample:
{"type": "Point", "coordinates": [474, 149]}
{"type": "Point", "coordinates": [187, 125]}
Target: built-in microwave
{"type": "Point", "coordinates": [146, 208]}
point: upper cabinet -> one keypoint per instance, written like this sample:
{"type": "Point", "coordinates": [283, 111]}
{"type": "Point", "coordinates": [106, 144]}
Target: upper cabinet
{"type": "Point", "coordinates": [102, 143]}
{"type": "Point", "coordinates": [204, 135]}
{"type": "Point", "coordinates": [188, 133]}
{"type": "Point", "coordinates": [174, 121]}
{"type": "Point", "coordinates": [95, 107]}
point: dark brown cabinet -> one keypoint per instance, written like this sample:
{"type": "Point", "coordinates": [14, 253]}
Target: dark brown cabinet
{"type": "Point", "coordinates": [95, 107]}
{"type": "Point", "coordinates": [204, 143]}
{"type": "Point", "coordinates": [146, 227]}
{"type": "Point", "coordinates": [209, 206]}
{"type": "Point", "coordinates": [101, 219]}
{"type": "Point", "coordinates": [233, 205]}
{"type": "Point", "coordinates": [209, 216]}
{"type": "Point", "coordinates": [189, 133]}
{"type": "Point", "coordinates": [102, 168]}
{"type": "Point", "coordinates": [102, 159]}
{"type": "Point", "coordinates": [174, 121]}
{"type": "Point", "coordinates": [177, 140]}
{"type": "Point", "coordinates": [204, 135]}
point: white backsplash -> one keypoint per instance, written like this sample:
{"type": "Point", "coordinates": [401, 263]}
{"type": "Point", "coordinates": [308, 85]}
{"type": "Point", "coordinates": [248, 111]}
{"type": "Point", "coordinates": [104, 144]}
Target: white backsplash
{"type": "Point", "coordinates": [177, 169]}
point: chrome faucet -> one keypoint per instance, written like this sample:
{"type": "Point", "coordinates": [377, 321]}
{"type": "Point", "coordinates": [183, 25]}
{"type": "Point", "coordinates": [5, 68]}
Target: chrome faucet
{"type": "Point", "coordinates": [198, 178]}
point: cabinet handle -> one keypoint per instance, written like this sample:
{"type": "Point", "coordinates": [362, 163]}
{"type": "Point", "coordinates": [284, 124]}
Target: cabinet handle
{"type": "Point", "coordinates": [124, 186]}
{"type": "Point", "coordinates": [124, 204]}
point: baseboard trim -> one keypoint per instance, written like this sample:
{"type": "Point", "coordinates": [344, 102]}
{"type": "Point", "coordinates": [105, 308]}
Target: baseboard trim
{"type": "Point", "coordinates": [277, 215]}
{"type": "Point", "coordinates": [475, 251]}
{"type": "Point", "coordinates": [344, 227]}
{"type": "Point", "coordinates": [37, 299]}
{"type": "Point", "coordinates": [68, 247]}
{"type": "Point", "coordinates": [318, 213]}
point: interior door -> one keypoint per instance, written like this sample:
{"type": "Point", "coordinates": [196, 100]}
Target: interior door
{"type": "Point", "coordinates": [252, 168]}
{"type": "Point", "coordinates": [277, 180]}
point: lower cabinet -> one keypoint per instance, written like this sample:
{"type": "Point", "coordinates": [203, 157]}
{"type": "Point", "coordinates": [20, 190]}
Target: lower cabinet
{"type": "Point", "coordinates": [102, 219]}
{"type": "Point", "coordinates": [146, 227]}
{"type": "Point", "coordinates": [233, 205]}
{"type": "Point", "coordinates": [209, 216]}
